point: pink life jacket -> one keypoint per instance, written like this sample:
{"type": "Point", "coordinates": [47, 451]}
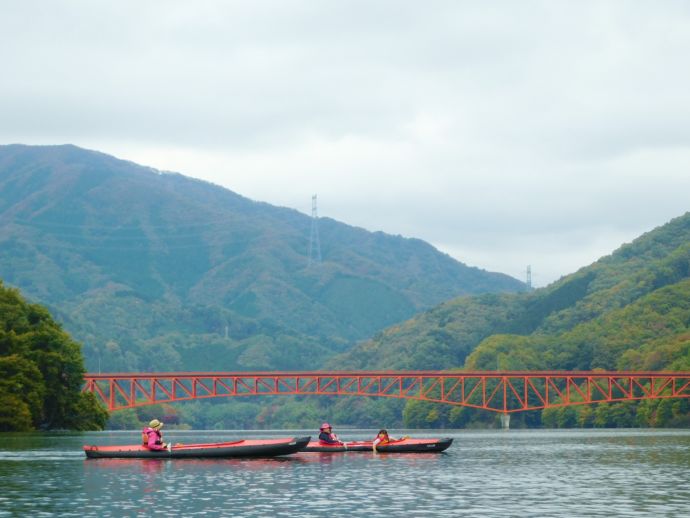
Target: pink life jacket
{"type": "Point", "coordinates": [152, 439]}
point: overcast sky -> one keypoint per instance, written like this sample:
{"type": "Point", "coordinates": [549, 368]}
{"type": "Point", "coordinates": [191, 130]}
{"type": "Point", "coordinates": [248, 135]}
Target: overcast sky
{"type": "Point", "coordinates": [507, 134]}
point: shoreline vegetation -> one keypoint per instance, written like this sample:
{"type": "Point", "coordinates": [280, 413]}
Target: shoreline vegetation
{"type": "Point", "coordinates": [41, 372]}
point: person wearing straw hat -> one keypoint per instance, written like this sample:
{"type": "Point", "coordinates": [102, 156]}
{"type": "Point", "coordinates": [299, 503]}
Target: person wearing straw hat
{"type": "Point", "coordinates": [153, 438]}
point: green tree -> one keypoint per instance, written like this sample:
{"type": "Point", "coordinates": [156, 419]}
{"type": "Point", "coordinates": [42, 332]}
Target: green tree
{"type": "Point", "coordinates": [21, 380]}
{"type": "Point", "coordinates": [664, 413]}
{"type": "Point", "coordinates": [424, 414]}
{"type": "Point", "coordinates": [42, 370]}
{"type": "Point", "coordinates": [15, 415]}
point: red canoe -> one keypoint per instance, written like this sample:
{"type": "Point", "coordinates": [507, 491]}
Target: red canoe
{"type": "Point", "coordinates": [243, 448]}
{"type": "Point", "coordinates": [408, 445]}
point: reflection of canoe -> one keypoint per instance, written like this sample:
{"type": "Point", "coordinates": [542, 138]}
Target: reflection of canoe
{"type": "Point", "coordinates": [243, 448]}
{"type": "Point", "coordinates": [400, 446]}
{"type": "Point", "coordinates": [322, 447]}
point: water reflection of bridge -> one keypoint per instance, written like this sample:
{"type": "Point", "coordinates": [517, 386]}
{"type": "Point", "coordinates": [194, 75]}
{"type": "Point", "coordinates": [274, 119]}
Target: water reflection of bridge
{"type": "Point", "coordinates": [505, 392]}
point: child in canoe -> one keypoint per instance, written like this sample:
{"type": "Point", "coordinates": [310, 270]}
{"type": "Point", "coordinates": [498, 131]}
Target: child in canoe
{"type": "Point", "coordinates": [383, 438]}
{"type": "Point", "coordinates": [153, 438]}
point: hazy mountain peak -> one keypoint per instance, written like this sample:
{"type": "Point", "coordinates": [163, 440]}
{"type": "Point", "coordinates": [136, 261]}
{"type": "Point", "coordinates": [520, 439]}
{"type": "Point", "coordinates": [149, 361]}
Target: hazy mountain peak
{"type": "Point", "coordinates": [191, 259]}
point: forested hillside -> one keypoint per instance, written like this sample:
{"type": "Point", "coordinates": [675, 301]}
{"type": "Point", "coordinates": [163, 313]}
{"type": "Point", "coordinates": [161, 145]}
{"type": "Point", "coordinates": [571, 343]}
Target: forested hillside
{"type": "Point", "coordinates": [41, 372]}
{"type": "Point", "coordinates": [627, 311]}
{"type": "Point", "coordinates": [157, 271]}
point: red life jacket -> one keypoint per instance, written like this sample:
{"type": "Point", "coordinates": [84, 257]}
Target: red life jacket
{"type": "Point", "coordinates": [328, 438]}
{"type": "Point", "coordinates": [382, 440]}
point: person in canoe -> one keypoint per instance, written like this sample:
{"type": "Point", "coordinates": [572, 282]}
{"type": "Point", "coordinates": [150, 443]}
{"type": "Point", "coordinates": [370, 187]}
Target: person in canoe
{"type": "Point", "coordinates": [153, 438]}
{"type": "Point", "coordinates": [381, 438]}
{"type": "Point", "coordinates": [327, 436]}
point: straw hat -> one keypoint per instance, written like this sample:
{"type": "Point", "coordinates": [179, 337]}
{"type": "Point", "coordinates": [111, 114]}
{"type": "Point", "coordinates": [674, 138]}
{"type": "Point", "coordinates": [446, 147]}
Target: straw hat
{"type": "Point", "coordinates": [156, 424]}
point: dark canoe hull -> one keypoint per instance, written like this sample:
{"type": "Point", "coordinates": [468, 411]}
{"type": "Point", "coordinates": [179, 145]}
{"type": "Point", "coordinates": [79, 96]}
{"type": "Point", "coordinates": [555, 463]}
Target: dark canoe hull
{"type": "Point", "coordinates": [401, 446]}
{"type": "Point", "coordinates": [244, 448]}
{"type": "Point", "coordinates": [417, 446]}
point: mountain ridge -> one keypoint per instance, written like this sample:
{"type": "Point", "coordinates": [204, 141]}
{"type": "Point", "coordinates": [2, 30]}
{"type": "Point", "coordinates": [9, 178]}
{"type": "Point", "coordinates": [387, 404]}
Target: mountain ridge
{"type": "Point", "coordinates": [97, 239]}
{"type": "Point", "coordinates": [654, 260]}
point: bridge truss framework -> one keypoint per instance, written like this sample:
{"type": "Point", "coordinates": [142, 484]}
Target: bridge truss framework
{"type": "Point", "coordinates": [505, 392]}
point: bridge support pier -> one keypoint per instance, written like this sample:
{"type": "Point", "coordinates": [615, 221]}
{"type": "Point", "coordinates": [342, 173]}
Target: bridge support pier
{"type": "Point", "coordinates": [505, 421]}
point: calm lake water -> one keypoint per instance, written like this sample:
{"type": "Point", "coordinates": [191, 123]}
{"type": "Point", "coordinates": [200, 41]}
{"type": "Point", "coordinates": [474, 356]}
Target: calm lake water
{"type": "Point", "coordinates": [484, 473]}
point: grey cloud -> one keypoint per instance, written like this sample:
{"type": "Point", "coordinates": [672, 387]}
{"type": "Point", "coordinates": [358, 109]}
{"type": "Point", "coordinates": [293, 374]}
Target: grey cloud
{"type": "Point", "coordinates": [462, 123]}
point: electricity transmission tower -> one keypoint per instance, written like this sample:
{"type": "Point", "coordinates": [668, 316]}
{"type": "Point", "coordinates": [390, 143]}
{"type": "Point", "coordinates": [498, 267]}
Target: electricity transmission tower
{"type": "Point", "coordinates": [314, 244]}
{"type": "Point", "coordinates": [529, 277]}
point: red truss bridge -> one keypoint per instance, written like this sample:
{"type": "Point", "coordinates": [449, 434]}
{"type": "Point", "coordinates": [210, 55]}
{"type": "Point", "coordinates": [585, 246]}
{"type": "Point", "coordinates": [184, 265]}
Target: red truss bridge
{"type": "Point", "coordinates": [505, 392]}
